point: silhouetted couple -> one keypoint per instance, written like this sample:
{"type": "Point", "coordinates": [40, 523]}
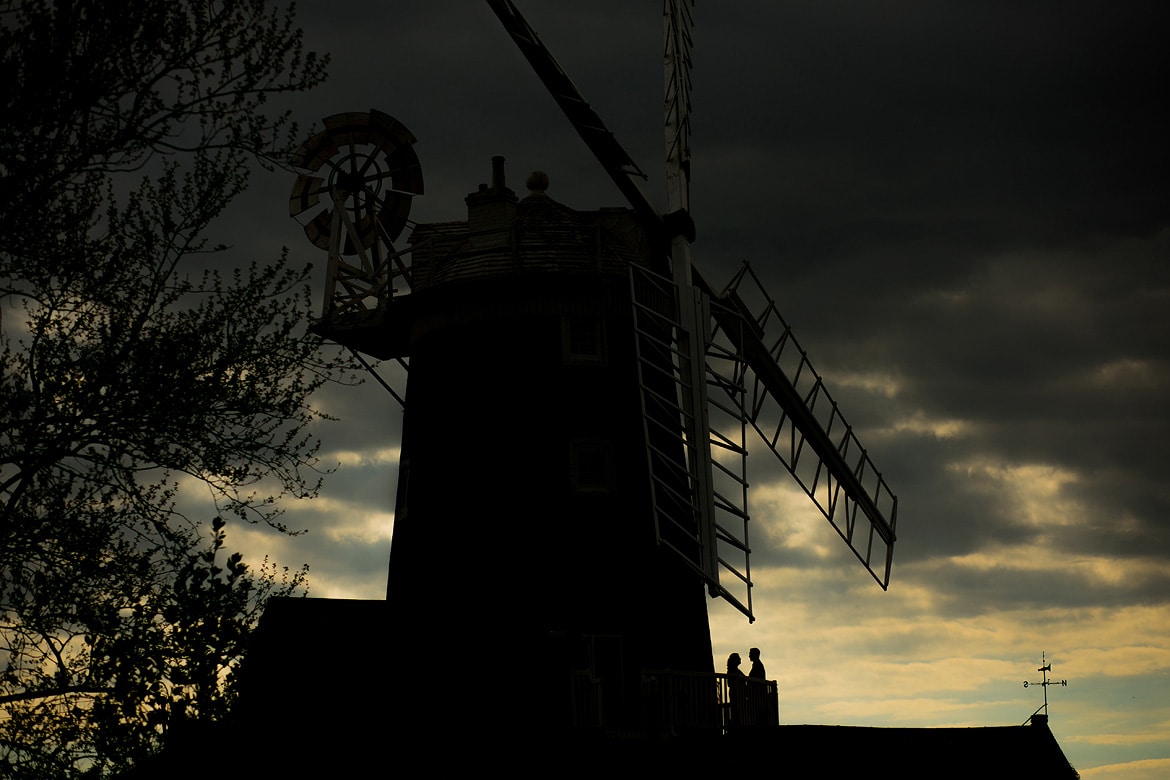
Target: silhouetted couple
{"type": "Point", "coordinates": [757, 671]}
{"type": "Point", "coordinates": [748, 704]}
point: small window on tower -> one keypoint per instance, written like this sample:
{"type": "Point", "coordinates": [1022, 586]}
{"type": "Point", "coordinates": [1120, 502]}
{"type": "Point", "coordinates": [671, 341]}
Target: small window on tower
{"type": "Point", "coordinates": [584, 339]}
{"type": "Point", "coordinates": [591, 466]}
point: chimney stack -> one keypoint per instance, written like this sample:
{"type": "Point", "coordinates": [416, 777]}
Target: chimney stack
{"type": "Point", "coordinates": [491, 211]}
{"type": "Point", "coordinates": [498, 173]}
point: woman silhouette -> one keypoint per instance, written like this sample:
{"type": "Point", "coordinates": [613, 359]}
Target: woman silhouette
{"type": "Point", "coordinates": [736, 690]}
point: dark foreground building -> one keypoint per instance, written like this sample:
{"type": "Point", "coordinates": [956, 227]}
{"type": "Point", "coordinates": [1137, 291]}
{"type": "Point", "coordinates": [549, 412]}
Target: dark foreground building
{"type": "Point", "coordinates": [318, 702]}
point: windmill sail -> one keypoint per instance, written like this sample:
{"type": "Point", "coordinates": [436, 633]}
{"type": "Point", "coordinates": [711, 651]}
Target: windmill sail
{"type": "Point", "coordinates": [786, 402]}
{"type": "Point", "coordinates": [695, 451]}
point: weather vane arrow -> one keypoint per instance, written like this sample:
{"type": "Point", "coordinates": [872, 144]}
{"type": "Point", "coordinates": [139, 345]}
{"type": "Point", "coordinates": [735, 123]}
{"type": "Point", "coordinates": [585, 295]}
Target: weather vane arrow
{"type": "Point", "coordinates": [1044, 669]}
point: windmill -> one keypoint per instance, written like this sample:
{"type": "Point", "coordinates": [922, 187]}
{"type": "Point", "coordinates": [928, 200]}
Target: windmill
{"type": "Point", "coordinates": [572, 476]}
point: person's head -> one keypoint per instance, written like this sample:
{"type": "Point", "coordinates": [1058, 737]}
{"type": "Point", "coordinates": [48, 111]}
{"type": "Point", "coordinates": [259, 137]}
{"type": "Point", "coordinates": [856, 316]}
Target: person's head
{"type": "Point", "coordinates": [754, 654]}
{"type": "Point", "coordinates": [733, 661]}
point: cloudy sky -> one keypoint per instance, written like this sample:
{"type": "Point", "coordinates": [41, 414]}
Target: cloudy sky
{"type": "Point", "coordinates": [962, 207]}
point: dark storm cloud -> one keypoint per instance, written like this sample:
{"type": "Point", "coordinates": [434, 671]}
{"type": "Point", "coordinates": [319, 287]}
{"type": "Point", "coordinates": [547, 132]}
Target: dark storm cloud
{"type": "Point", "coordinates": [1037, 116]}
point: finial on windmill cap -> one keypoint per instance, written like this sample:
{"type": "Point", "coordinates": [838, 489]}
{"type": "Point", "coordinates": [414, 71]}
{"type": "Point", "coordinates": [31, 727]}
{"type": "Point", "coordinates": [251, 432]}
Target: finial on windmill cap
{"type": "Point", "coordinates": [537, 182]}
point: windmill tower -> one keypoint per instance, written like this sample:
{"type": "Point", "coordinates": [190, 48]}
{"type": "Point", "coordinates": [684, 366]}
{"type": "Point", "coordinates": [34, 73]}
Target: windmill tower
{"type": "Point", "coordinates": [571, 484]}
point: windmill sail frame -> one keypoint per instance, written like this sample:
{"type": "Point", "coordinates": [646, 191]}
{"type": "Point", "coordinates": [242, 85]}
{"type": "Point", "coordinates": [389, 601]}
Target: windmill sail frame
{"type": "Point", "coordinates": [793, 413]}
{"type": "Point", "coordinates": [698, 482]}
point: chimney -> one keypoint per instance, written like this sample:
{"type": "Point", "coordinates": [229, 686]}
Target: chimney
{"type": "Point", "coordinates": [498, 173]}
{"type": "Point", "coordinates": [491, 211]}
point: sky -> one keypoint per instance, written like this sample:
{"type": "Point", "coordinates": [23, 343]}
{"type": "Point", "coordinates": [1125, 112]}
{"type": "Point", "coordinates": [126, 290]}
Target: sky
{"type": "Point", "coordinates": [962, 208]}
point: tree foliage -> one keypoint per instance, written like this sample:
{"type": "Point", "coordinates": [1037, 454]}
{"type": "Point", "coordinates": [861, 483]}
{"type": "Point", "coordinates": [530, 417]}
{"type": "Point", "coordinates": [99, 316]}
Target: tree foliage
{"type": "Point", "coordinates": [131, 368]}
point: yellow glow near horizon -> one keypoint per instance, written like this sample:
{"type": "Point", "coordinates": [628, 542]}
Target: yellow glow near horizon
{"type": "Point", "coordinates": [1156, 732]}
{"type": "Point", "coordinates": [1145, 769]}
{"type": "Point", "coordinates": [923, 709]}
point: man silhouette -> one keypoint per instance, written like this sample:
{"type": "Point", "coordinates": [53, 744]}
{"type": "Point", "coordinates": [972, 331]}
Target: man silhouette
{"type": "Point", "coordinates": [757, 692]}
{"type": "Point", "coordinates": [757, 671]}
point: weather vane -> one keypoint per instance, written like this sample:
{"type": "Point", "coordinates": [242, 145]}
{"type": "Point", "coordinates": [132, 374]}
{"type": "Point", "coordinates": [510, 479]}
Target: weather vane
{"type": "Point", "coordinates": [1044, 669]}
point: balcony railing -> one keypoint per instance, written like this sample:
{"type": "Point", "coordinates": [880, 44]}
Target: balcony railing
{"type": "Point", "coordinates": [681, 702]}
